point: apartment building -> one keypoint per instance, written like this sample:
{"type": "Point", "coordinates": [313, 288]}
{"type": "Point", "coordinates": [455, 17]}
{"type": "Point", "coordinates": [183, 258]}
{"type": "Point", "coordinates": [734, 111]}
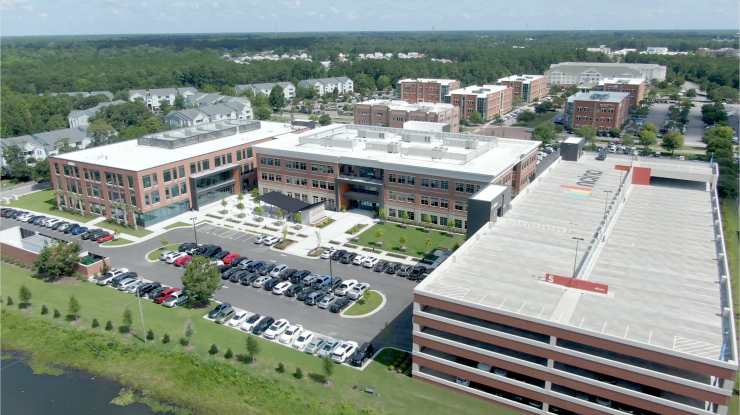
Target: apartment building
{"type": "Point", "coordinates": [79, 118]}
{"type": "Point", "coordinates": [164, 174]}
{"type": "Point", "coordinates": [154, 97]}
{"type": "Point", "coordinates": [425, 89]}
{"type": "Point", "coordinates": [39, 146]}
{"type": "Point", "coordinates": [633, 86]}
{"type": "Point", "coordinates": [530, 87]}
{"type": "Point", "coordinates": [488, 100]}
{"type": "Point", "coordinates": [567, 74]}
{"type": "Point", "coordinates": [639, 324]}
{"type": "Point", "coordinates": [405, 172]}
{"type": "Point", "coordinates": [719, 52]}
{"type": "Point", "coordinates": [208, 109]}
{"type": "Point", "coordinates": [384, 113]}
{"type": "Point", "coordinates": [602, 110]}
{"type": "Point", "coordinates": [322, 86]}
{"type": "Point", "coordinates": [266, 88]}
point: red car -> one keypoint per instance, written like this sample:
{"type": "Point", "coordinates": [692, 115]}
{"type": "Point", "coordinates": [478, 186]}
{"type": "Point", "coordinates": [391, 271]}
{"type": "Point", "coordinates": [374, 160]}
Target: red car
{"type": "Point", "coordinates": [105, 238]}
{"type": "Point", "coordinates": [228, 258]}
{"type": "Point", "coordinates": [165, 295]}
{"type": "Point", "coordinates": [180, 261]}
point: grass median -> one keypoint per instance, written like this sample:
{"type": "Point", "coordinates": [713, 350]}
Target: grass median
{"type": "Point", "coordinates": [208, 384]}
{"type": "Point", "coordinates": [154, 255]}
{"type": "Point", "coordinates": [177, 225]}
{"type": "Point", "coordinates": [369, 305]}
{"type": "Point", "coordinates": [415, 239]}
{"type": "Point", "coordinates": [117, 242]}
{"type": "Point", "coordinates": [43, 202]}
{"type": "Point", "coordinates": [113, 227]}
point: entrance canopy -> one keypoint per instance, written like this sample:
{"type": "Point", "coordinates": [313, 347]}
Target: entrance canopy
{"type": "Point", "coordinates": [283, 202]}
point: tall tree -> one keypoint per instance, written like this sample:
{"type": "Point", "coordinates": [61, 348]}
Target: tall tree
{"type": "Point", "coordinates": [99, 132]}
{"type": "Point", "coordinates": [201, 279]}
{"type": "Point", "coordinates": [277, 98]}
{"type": "Point", "coordinates": [647, 139]}
{"type": "Point", "coordinates": [57, 259]}
{"type": "Point", "coordinates": [74, 307]}
{"type": "Point", "coordinates": [544, 132]}
{"type": "Point", "coordinates": [648, 126]}
{"type": "Point", "coordinates": [253, 348]}
{"type": "Point", "coordinates": [672, 141]}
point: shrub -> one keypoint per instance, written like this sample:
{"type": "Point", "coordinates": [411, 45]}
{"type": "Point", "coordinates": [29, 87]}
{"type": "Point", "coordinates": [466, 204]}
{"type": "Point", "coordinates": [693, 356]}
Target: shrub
{"type": "Point", "coordinates": [399, 370]}
{"type": "Point", "coordinates": [57, 314]}
{"type": "Point", "coordinates": [95, 323]}
{"type": "Point", "coordinates": [150, 335]}
{"type": "Point", "coordinates": [44, 309]}
{"type": "Point", "coordinates": [298, 373]}
{"type": "Point", "coordinates": [213, 350]}
{"type": "Point", "coordinates": [391, 367]}
{"type": "Point", "coordinates": [109, 326]}
{"type": "Point", "coordinates": [166, 339]}
{"type": "Point", "coordinates": [10, 300]}
{"type": "Point", "coordinates": [404, 366]}
{"type": "Point", "coordinates": [229, 354]}
{"type": "Point", "coordinates": [280, 368]}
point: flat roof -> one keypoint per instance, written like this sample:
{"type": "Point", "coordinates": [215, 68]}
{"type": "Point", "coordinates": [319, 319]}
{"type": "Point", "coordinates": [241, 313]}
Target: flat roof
{"type": "Point", "coordinates": [406, 106]}
{"type": "Point", "coordinates": [522, 78]}
{"type": "Point", "coordinates": [659, 261]}
{"type": "Point", "coordinates": [344, 145]}
{"type": "Point", "coordinates": [599, 96]}
{"type": "Point", "coordinates": [573, 140]}
{"type": "Point", "coordinates": [482, 91]}
{"type": "Point", "coordinates": [427, 80]}
{"type": "Point", "coordinates": [629, 81]}
{"type": "Point", "coordinates": [132, 156]}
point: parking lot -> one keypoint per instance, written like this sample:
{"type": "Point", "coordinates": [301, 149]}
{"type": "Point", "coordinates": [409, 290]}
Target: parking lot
{"type": "Point", "coordinates": [398, 291]}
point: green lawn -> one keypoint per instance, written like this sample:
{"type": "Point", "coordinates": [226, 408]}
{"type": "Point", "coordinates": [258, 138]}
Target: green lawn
{"type": "Point", "coordinates": [358, 309]}
{"type": "Point", "coordinates": [177, 225]}
{"type": "Point", "coordinates": [43, 202]}
{"type": "Point", "coordinates": [154, 255]}
{"type": "Point", "coordinates": [4, 184]}
{"type": "Point", "coordinates": [538, 119]}
{"type": "Point", "coordinates": [112, 226]}
{"type": "Point", "coordinates": [119, 241]}
{"type": "Point", "coordinates": [731, 224]}
{"type": "Point", "coordinates": [415, 238]}
{"type": "Point", "coordinates": [734, 405]}
{"type": "Point", "coordinates": [212, 387]}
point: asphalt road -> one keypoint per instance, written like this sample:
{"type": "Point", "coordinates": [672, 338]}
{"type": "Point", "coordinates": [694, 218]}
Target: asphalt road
{"type": "Point", "coordinates": [398, 291]}
{"type": "Point", "coordinates": [25, 189]}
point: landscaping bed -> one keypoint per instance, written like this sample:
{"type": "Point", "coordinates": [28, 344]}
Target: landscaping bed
{"type": "Point", "coordinates": [154, 255]}
{"type": "Point", "coordinates": [117, 242]}
{"type": "Point", "coordinates": [415, 239]}
{"type": "Point", "coordinates": [362, 307]}
{"type": "Point", "coordinates": [177, 225]}
{"type": "Point", "coordinates": [324, 223]}
{"type": "Point", "coordinates": [113, 227]}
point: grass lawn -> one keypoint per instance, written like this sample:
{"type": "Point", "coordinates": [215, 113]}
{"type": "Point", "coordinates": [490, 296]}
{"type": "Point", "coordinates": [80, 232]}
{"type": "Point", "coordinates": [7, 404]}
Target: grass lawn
{"type": "Point", "coordinates": [119, 241]}
{"type": "Point", "coordinates": [358, 309]}
{"type": "Point", "coordinates": [734, 405]}
{"type": "Point", "coordinates": [4, 184]}
{"type": "Point", "coordinates": [112, 226]}
{"type": "Point", "coordinates": [177, 225]}
{"type": "Point", "coordinates": [731, 225]}
{"type": "Point", "coordinates": [208, 384]}
{"type": "Point", "coordinates": [415, 238]}
{"type": "Point", "coordinates": [538, 119]}
{"type": "Point", "coordinates": [154, 255]}
{"type": "Point", "coordinates": [43, 202]}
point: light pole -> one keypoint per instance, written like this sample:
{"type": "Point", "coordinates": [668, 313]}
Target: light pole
{"type": "Point", "coordinates": [606, 202]}
{"type": "Point", "coordinates": [143, 328]}
{"type": "Point", "coordinates": [575, 259]}
{"type": "Point", "coordinates": [194, 232]}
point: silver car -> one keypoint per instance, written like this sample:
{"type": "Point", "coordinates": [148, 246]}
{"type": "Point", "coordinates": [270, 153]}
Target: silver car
{"type": "Point", "coordinates": [327, 301]}
{"type": "Point", "coordinates": [128, 282]}
{"type": "Point", "coordinates": [315, 345]}
{"type": "Point", "coordinates": [329, 348]}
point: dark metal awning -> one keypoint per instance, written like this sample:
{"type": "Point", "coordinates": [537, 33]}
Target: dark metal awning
{"type": "Point", "coordinates": [286, 203]}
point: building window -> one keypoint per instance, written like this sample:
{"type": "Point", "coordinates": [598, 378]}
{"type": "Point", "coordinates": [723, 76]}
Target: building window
{"type": "Point", "coordinates": [445, 185]}
{"type": "Point", "coordinates": [264, 175]}
{"type": "Point", "coordinates": [192, 168]}
{"type": "Point", "coordinates": [424, 182]}
{"type": "Point", "coordinates": [401, 197]}
{"type": "Point", "coordinates": [459, 187]}
{"type": "Point", "coordinates": [154, 179]}
{"type": "Point", "coordinates": [322, 185]}
{"type": "Point", "coordinates": [238, 156]}
{"type": "Point", "coordinates": [410, 180]}
{"type": "Point", "coordinates": [228, 159]}
{"type": "Point", "coordinates": [120, 179]}
{"type": "Point", "coordinates": [263, 161]}
{"type": "Point", "coordinates": [435, 202]}
{"type": "Point", "coordinates": [183, 189]}
{"type": "Point", "coordinates": [314, 167]}
{"type": "Point", "coordinates": [458, 223]}
{"type": "Point", "coordinates": [174, 174]}
{"type": "Point", "coordinates": [108, 178]}
{"type": "Point", "coordinates": [146, 199]}
{"type": "Point", "coordinates": [249, 153]}
{"type": "Point", "coordinates": [391, 195]}
{"type": "Point", "coordinates": [444, 203]}
{"type": "Point", "coordinates": [216, 161]}
{"type": "Point", "coordinates": [133, 199]}
{"type": "Point", "coordinates": [410, 198]}
{"type": "Point", "coordinates": [303, 165]}
{"type": "Point", "coordinates": [443, 221]}
{"type": "Point", "coordinates": [458, 206]}
{"type": "Point", "coordinates": [56, 167]}
{"type": "Point", "coordinates": [155, 197]}
{"type": "Point", "coordinates": [147, 181]}
{"type": "Point", "coordinates": [401, 179]}
{"type": "Point", "coordinates": [331, 185]}
{"type": "Point", "coordinates": [167, 193]}
{"type": "Point", "coordinates": [469, 188]}
{"type": "Point", "coordinates": [167, 176]}
{"type": "Point", "coordinates": [434, 184]}
{"type": "Point", "coordinates": [392, 213]}
{"type": "Point", "coordinates": [130, 182]}
{"type": "Point", "coordinates": [206, 165]}
{"type": "Point", "coordinates": [314, 184]}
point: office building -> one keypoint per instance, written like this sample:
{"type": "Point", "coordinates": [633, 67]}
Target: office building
{"type": "Point", "coordinates": [164, 174]}
{"type": "Point", "coordinates": [405, 172]}
{"type": "Point", "coordinates": [719, 52]}
{"type": "Point", "coordinates": [488, 100]}
{"type": "Point", "coordinates": [530, 87]}
{"type": "Point", "coordinates": [633, 86]}
{"type": "Point", "coordinates": [655, 50]}
{"type": "Point", "coordinates": [384, 113]}
{"type": "Point", "coordinates": [602, 110]}
{"type": "Point", "coordinates": [425, 89]}
{"type": "Point", "coordinates": [569, 305]}
{"type": "Point", "coordinates": [567, 74]}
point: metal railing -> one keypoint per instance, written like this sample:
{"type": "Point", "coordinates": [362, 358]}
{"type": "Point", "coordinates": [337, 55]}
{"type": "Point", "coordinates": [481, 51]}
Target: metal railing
{"type": "Point", "coordinates": [361, 179]}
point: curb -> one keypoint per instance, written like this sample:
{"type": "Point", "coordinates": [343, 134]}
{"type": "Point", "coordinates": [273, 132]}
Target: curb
{"type": "Point", "coordinates": [380, 307]}
{"type": "Point", "coordinates": [146, 256]}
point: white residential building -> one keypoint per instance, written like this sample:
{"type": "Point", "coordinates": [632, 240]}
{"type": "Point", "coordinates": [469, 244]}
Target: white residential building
{"type": "Point", "coordinates": [653, 50]}
{"type": "Point", "coordinates": [154, 97]}
{"type": "Point", "coordinates": [42, 145]}
{"type": "Point", "coordinates": [79, 118]}
{"type": "Point", "coordinates": [578, 73]}
{"type": "Point", "coordinates": [226, 108]}
{"type": "Point", "coordinates": [324, 85]}
{"type": "Point", "coordinates": [266, 88]}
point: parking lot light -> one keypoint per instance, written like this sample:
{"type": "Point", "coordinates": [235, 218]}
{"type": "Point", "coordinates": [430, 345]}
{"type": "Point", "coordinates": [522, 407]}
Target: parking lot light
{"type": "Point", "coordinates": [194, 232]}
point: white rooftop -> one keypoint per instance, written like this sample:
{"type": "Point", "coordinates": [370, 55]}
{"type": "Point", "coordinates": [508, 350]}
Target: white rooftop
{"type": "Point", "coordinates": [629, 81]}
{"type": "Point", "coordinates": [481, 91]}
{"type": "Point", "coordinates": [523, 78]}
{"type": "Point", "coordinates": [406, 106]}
{"type": "Point", "coordinates": [345, 145]}
{"type": "Point", "coordinates": [132, 156]}
{"type": "Point", "coordinates": [429, 80]}
{"type": "Point", "coordinates": [599, 96]}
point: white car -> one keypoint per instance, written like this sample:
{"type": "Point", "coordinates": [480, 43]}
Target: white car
{"type": "Point", "coordinates": [259, 239]}
{"type": "Point", "coordinates": [175, 299]}
{"type": "Point", "coordinates": [270, 240]}
{"type": "Point", "coordinates": [370, 262]}
{"type": "Point", "coordinates": [291, 333]}
{"type": "Point", "coordinates": [327, 254]}
{"type": "Point", "coordinates": [343, 352]}
{"type": "Point", "coordinates": [250, 322]}
{"type": "Point", "coordinates": [276, 329]}
{"type": "Point", "coordinates": [172, 258]}
{"type": "Point", "coordinates": [24, 217]}
{"type": "Point", "coordinates": [303, 340]}
{"type": "Point", "coordinates": [359, 259]}
{"type": "Point", "coordinates": [261, 280]}
{"type": "Point", "coordinates": [217, 262]}
{"type": "Point", "coordinates": [110, 275]}
{"type": "Point", "coordinates": [277, 270]}
{"type": "Point", "coordinates": [164, 255]}
{"type": "Point", "coordinates": [358, 291]}
{"type": "Point", "coordinates": [238, 319]}
{"type": "Point", "coordinates": [281, 287]}
{"type": "Point", "coordinates": [344, 287]}
{"type": "Point", "coordinates": [51, 222]}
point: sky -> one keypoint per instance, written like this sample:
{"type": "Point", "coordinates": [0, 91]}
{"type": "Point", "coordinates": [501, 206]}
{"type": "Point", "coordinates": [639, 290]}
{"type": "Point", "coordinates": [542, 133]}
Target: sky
{"type": "Point", "coordinates": [89, 17]}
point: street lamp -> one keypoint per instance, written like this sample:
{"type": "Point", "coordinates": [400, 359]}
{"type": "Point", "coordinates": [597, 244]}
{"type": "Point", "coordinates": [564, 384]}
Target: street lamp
{"type": "Point", "coordinates": [194, 233]}
{"type": "Point", "coordinates": [606, 202]}
{"type": "Point", "coordinates": [575, 260]}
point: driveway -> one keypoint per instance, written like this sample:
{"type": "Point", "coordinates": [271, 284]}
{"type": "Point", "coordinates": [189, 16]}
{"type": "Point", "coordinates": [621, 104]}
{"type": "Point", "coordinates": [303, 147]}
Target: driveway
{"type": "Point", "coordinates": [398, 291]}
{"type": "Point", "coordinates": [25, 189]}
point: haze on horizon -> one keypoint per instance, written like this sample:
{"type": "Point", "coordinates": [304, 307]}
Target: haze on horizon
{"type": "Point", "coordinates": [92, 17]}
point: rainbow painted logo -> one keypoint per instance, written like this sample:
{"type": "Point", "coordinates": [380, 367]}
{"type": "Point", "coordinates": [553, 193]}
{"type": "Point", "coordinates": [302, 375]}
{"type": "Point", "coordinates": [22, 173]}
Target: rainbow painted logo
{"type": "Point", "coordinates": [577, 192]}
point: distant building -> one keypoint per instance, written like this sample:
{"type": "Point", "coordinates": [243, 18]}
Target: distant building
{"type": "Point", "coordinates": [652, 50]}
{"type": "Point", "coordinates": [602, 110]}
{"type": "Point", "coordinates": [634, 86]}
{"type": "Point", "coordinates": [425, 89]}
{"type": "Point", "coordinates": [384, 113]}
{"type": "Point", "coordinates": [573, 73]}
{"type": "Point", "coordinates": [154, 97]}
{"type": "Point", "coordinates": [529, 87]}
{"type": "Point", "coordinates": [211, 109]}
{"type": "Point", "coordinates": [266, 88]}
{"type": "Point", "coordinates": [719, 52]}
{"type": "Point", "coordinates": [602, 48]}
{"type": "Point", "coordinates": [325, 85]}
{"type": "Point", "coordinates": [488, 100]}
{"type": "Point", "coordinates": [78, 118]}
{"type": "Point", "coordinates": [83, 94]}
{"type": "Point", "coordinates": [42, 145]}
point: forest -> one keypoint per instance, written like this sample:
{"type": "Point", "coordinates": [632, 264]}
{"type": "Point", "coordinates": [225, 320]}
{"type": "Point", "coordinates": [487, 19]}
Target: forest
{"type": "Point", "coordinates": [33, 66]}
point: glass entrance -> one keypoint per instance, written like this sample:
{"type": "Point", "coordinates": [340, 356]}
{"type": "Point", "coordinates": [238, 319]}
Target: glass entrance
{"type": "Point", "coordinates": [364, 205]}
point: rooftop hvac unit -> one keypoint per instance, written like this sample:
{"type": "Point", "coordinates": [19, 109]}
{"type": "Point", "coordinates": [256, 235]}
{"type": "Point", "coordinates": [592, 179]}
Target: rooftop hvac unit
{"type": "Point", "coordinates": [469, 143]}
{"type": "Point", "coordinates": [370, 134]}
{"type": "Point", "coordinates": [417, 138]}
{"type": "Point", "coordinates": [393, 147]}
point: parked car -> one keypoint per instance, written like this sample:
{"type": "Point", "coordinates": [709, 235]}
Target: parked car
{"type": "Point", "coordinates": [218, 309]}
{"type": "Point", "coordinates": [238, 319]}
{"type": "Point", "coordinates": [250, 322]}
{"type": "Point", "coordinates": [343, 352]}
{"type": "Point", "coordinates": [291, 334]}
{"type": "Point", "coordinates": [270, 240]}
{"type": "Point", "coordinates": [163, 295]}
{"type": "Point", "coordinates": [211, 252]}
{"type": "Point", "coordinates": [125, 284]}
{"type": "Point", "coordinates": [104, 237]}
{"type": "Point", "coordinates": [115, 280]}
{"type": "Point", "coordinates": [259, 238]}
{"type": "Point", "coordinates": [309, 279]}
{"type": "Point", "coordinates": [276, 329]}
{"type": "Point", "coordinates": [87, 233]}
{"type": "Point", "coordinates": [338, 255]}
{"type": "Point", "coordinates": [363, 352]}
{"type": "Point", "coordinates": [393, 268]}
{"type": "Point", "coordinates": [223, 268]}
{"type": "Point", "coordinates": [370, 262]}
{"type": "Point", "coordinates": [237, 276]}
{"type": "Point", "coordinates": [328, 253]}
{"type": "Point", "coordinates": [177, 255]}
{"type": "Point", "coordinates": [145, 289]}
{"type": "Point", "coordinates": [293, 290]}
{"type": "Point", "coordinates": [405, 271]}
{"type": "Point", "coordinates": [132, 288]}
{"type": "Point", "coordinates": [276, 270]}
{"type": "Point", "coordinates": [263, 325]}
{"type": "Point", "coordinates": [345, 287]}
{"type": "Point", "coordinates": [229, 258]}
{"type": "Point", "coordinates": [245, 264]}
{"type": "Point", "coordinates": [271, 283]}
{"type": "Point", "coordinates": [358, 291]}
{"type": "Point", "coordinates": [221, 255]}
{"type": "Point", "coordinates": [339, 305]}
{"type": "Point", "coordinates": [329, 348]}
{"type": "Point", "coordinates": [287, 273]}
{"type": "Point", "coordinates": [303, 340]}
{"type": "Point", "coordinates": [462, 381]}
{"type": "Point", "coordinates": [316, 345]}
{"type": "Point", "coordinates": [176, 299]}
{"type": "Point", "coordinates": [417, 272]}
{"type": "Point", "coordinates": [327, 301]}
{"type": "Point", "coordinates": [349, 257]}
{"type": "Point", "coordinates": [235, 263]}
{"type": "Point", "coordinates": [315, 297]}
{"type": "Point", "coordinates": [187, 245]}
{"type": "Point", "coordinates": [358, 259]}
{"type": "Point", "coordinates": [254, 266]}
{"type": "Point", "coordinates": [182, 260]}
{"type": "Point", "coordinates": [265, 269]}
{"type": "Point", "coordinates": [224, 316]}
{"type": "Point", "coordinates": [51, 222]}
{"type": "Point", "coordinates": [304, 293]}
{"type": "Point", "coordinates": [334, 283]}
{"type": "Point", "coordinates": [281, 287]}
{"type": "Point", "coordinates": [248, 279]}
{"type": "Point", "coordinates": [299, 276]}
{"type": "Point", "coordinates": [61, 227]}
{"type": "Point", "coordinates": [259, 282]}
{"type": "Point", "coordinates": [381, 267]}
{"type": "Point", "coordinates": [166, 254]}
{"type": "Point", "coordinates": [105, 279]}
{"type": "Point", "coordinates": [155, 292]}
{"type": "Point", "coordinates": [321, 282]}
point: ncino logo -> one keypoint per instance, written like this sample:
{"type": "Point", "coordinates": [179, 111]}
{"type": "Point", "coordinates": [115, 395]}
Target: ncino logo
{"type": "Point", "coordinates": [589, 178]}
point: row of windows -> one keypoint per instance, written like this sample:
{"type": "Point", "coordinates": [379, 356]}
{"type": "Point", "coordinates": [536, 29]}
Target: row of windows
{"type": "Point", "coordinates": [330, 202]}
{"type": "Point", "coordinates": [95, 192]}
{"type": "Point", "coordinates": [409, 215]}
{"type": "Point", "coordinates": [402, 179]}
{"type": "Point", "coordinates": [169, 193]}
{"type": "Point", "coordinates": [609, 110]}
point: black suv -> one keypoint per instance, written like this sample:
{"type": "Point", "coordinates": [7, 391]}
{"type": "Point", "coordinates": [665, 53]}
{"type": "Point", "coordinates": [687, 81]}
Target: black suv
{"type": "Point", "coordinates": [147, 288]}
{"type": "Point", "coordinates": [187, 245]}
{"type": "Point", "coordinates": [226, 275]}
{"type": "Point", "coordinates": [348, 257]}
{"type": "Point", "coordinates": [305, 293]}
{"type": "Point", "coordinates": [212, 251]}
{"type": "Point", "coordinates": [249, 278]}
{"type": "Point", "coordinates": [417, 272]}
{"type": "Point", "coordinates": [298, 276]}
{"type": "Point", "coordinates": [237, 276]}
{"type": "Point", "coordinates": [286, 273]}
{"type": "Point", "coordinates": [263, 325]}
{"type": "Point", "coordinates": [220, 255]}
{"type": "Point", "coordinates": [271, 283]}
{"type": "Point", "coordinates": [294, 289]}
{"type": "Point", "coordinates": [381, 266]}
{"type": "Point", "coordinates": [363, 352]}
{"type": "Point", "coordinates": [255, 265]}
{"type": "Point", "coordinates": [337, 255]}
{"type": "Point", "coordinates": [339, 305]}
